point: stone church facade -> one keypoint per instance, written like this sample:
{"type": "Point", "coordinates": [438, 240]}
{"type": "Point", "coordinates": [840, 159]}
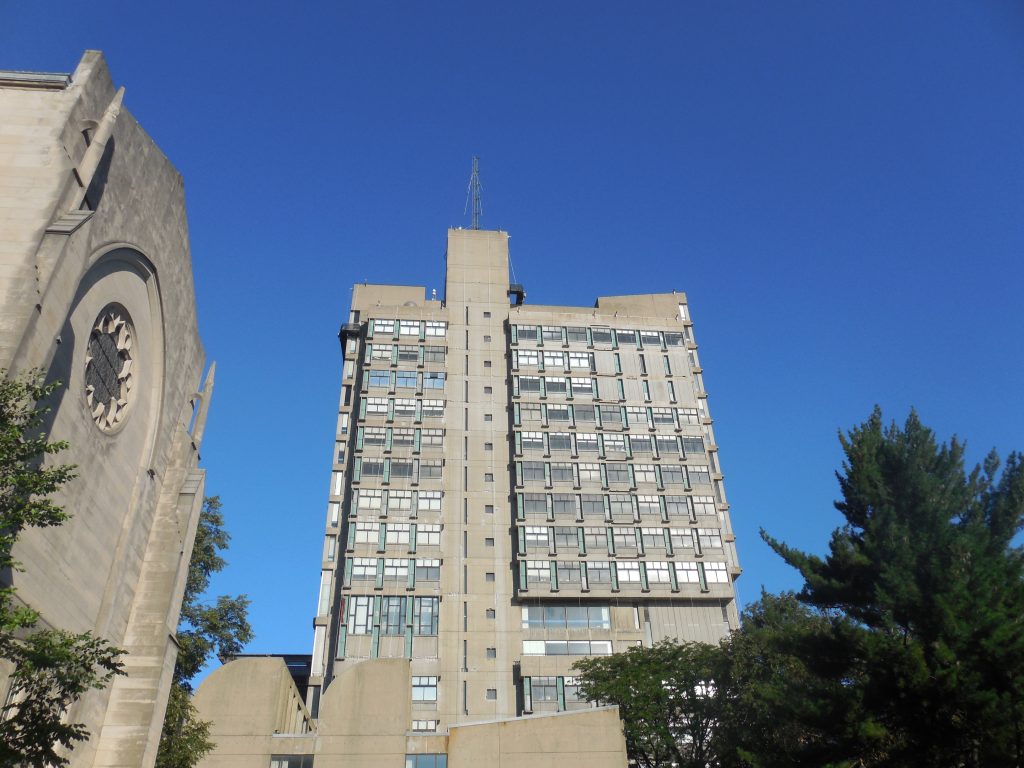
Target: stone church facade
{"type": "Point", "coordinates": [96, 290]}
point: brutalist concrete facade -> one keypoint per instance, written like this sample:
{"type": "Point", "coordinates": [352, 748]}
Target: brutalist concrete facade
{"type": "Point", "coordinates": [513, 487]}
{"type": "Point", "coordinates": [96, 290]}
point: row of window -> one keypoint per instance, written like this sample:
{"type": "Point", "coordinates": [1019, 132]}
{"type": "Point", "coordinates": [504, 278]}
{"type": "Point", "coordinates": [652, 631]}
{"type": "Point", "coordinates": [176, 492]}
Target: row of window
{"type": "Point", "coordinates": [609, 390]}
{"type": "Point", "coordinates": [579, 443]}
{"type": "Point", "coordinates": [586, 575]}
{"type": "Point", "coordinates": [610, 338]}
{"type": "Point", "coordinates": [389, 438]}
{"type": "Point", "coordinates": [396, 328]}
{"type": "Point", "coordinates": [550, 692]}
{"type": "Point", "coordinates": [385, 535]}
{"type": "Point", "coordinates": [567, 647]}
{"type": "Point", "coordinates": [611, 474]}
{"type": "Point", "coordinates": [401, 408]}
{"type": "Point", "coordinates": [391, 569]}
{"type": "Point", "coordinates": [402, 379]}
{"type": "Point", "coordinates": [566, 617]}
{"type": "Point", "coordinates": [570, 361]}
{"type": "Point", "coordinates": [616, 541]}
{"type": "Point", "coordinates": [388, 469]}
{"type": "Point", "coordinates": [614, 417]}
{"type": "Point", "coordinates": [393, 354]}
{"type": "Point", "coordinates": [379, 501]}
{"type": "Point", "coordinates": [391, 615]}
{"type": "Point", "coordinates": [613, 507]}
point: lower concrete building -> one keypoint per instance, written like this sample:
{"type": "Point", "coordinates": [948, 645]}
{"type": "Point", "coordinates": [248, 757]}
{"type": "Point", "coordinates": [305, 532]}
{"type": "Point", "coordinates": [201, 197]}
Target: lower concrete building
{"type": "Point", "coordinates": [514, 487]}
{"type": "Point", "coordinates": [96, 291]}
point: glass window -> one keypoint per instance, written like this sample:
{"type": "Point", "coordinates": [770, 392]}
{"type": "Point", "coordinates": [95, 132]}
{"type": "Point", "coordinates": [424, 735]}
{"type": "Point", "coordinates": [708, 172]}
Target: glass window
{"type": "Point", "coordinates": [397, 533]}
{"type": "Point", "coordinates": [373, 467]}
{"type": "Point", "coordinates": [688, 416]}
{"type": "Point", "coordinates": [376, 405]}
{"type": "Point", "coordinates": [629, 573]}
{"type": "Point", "coordinates": [592, 505]}
{"type": "Point", "coordinates": [396, 569]}
{"type": "Point", "coordinates": [528, 357]}
{"type": "Point", "coordinates": [581, 360]}
{"type": "Point", "coordinates": [364, 568]}
{"type": "Point", "coordinates": [559, 441]}
{"type": "Point", "coordinates": [692, 445]}
{"type": "Point", "coordinates": [536, 537]}
{"type": "Point", "coordinates": [558, 413]}
{"type": "Point", "coordinates": [595, 539]}
{"type": "Point", "coordinates": [584, 414]}
{"type": "Point", "coordinates": [428, 535]}
{"type": "Point", "coordinates": [399, 501]}
{"type": "Point", "coordinates": [374, 436]}
{"type": "Point", "coordinates": [428, 570]}
{"type": "Point", "coordinates": [658, 573]}
{"type": "Point", "coordinates": [392, 616]}
{"type": "Point", "coordinates": [648, 506]}
{"type": "Point", "coordinates": [367, 533]}
{"type": "Point", "coordinates": [672, 475]}
{"type": "Point", "coordinates": [532, 470]}
{"type": "Point", "coordinates": [379, 379]}
{"type": "Point", "coordinates": [676, 506]}
{"type": "Point", "coordinates": [710, 538]}
{"type": "Point", "coordinates": [589, 473]}
{"type": "Point", "coordinates": [626, 337]}
{"type": "Point", "coordinates": [618, 474]}
{"type": "Point", "coordinates": [360, 615]}
{"type": "Point", "coordinates": [409, 327]}
{"type": "Point", "coordinates": [650, 338]}
{"type": "Point", "coordinates": [686, 573]}
{"type": "Point", "coordinates": [408, 353]}
{"type": "Point", "coordinates": [529, 383]}
{"type": "Point", "coordinates": [424, 615]}
{"type": "Point", "coordinates": [576, 335]}
{"type": "Point", "coordinates": [400, 468]}
{"type": "Point", "coordinates": [535, 504]}
{"type": "Point", "coordinates": [673, 339]}
{"type": "Point", "coordinates": [641, 444]}
{"type": "Point", "coordinates": [381, 352]}
{"type": "Point", "coordinates": [526, 332]}
{"type": "Point", "coordinates": [555, 386]}
{"type": "Point", "coordinates": [544, 688]}
{"type": "Point", "coordinates": [436, 328]}
{"type": "Point", "coordinates": [653, 538]}
{"type": "Point", "coordinates": [565, 538]}
{"type": "Point", "coordinates": [433, 380]}
{"type": "Point", "coordinates": [538, 572]}
{"type": "Point", "coordinates": [405, 407]}
{"type": "Point", "coordinates": [368, 500]}
{"type": "Point", "coordinates": [586, 442]}
{"type": "Point", "coordinates": [554, 359]}
{"type": "Point", "coordinates": [561, 473]}
{"type": "Point", "coordinates": [429, 501]}
{"type": "Point", "coordinates": [430, 469]}
{"type": "Point", "coordinates": [424, 689]}
{"type": "Point", "coordinates": [699, 473]}
{"type": "Point", "coordinates": [704, 505]}
{"type": "Point", "coordinates": [716, 573]}
{"type": "Point", "coordinates": [601, 336]}
{"type": "Point", "coordinates": [582, 387]}
{"type": "Point", "coordinates": [599, 573]}
{"type": "Point", "coordinates": [551, 333]}
{"type": "Point", "coordinates": [433, 438]}
{"type": "Point", "coordinates": [611, 416]}
{"type": "Point", "coordinates": [433, 354]}
{"type": "Point", "coordinates": [682, 538]}
{"type": "Point", "coordinates": [383, 326]}
{"type": "Point", "coordinates": [563, 505]}
{"type": "Point", "coordinates": [531, 413]}
{"type": "Point", "coordinates": [569, 572]}
{"type": "Point", "coordinates": [532, 441]}
{"type": "Point", "coordinates": [624, 539]}
{"type": "Point", "coordinates": [614, 443]}
{"type": "Point", "coordinates": [644, 473]}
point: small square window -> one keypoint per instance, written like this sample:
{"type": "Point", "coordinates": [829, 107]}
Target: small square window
{"type": "Point", "coordinates": [489, 509]}
{"type": "Point", "coordinates": [490, 613]}
{"type": "Point", "coordinates": [488, 417]}
{"type": "Point", "coordinates": [488, 446]}
{"type": "Point", "coordinates": [492, 653]}
{"type": "Point", "coordinates": [488, 542]}
{"type": "Point", "coordinates": [488, 477]}
{"type": "Point", "coordinates": [487, 314]}
{"type": "Point", "coordinates": [487, 363]}
{"type": "Point", "coordinates": [487, 338]}
{"type": "Point", "coordinates": [492, 694]}
{"type": "Point", "coordinates": [488, 576]}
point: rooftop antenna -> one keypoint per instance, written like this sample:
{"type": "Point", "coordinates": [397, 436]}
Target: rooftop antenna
{"type": "Point", "coordinates": [473, 191]}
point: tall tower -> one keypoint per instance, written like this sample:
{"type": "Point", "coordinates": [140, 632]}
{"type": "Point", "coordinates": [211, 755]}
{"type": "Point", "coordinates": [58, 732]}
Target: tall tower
{"type": "Point", "coordinates": [516, 487]}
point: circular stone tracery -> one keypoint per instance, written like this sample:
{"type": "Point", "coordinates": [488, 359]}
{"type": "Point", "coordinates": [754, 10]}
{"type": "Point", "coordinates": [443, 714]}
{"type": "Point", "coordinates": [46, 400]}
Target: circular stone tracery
{"type": "Point", "coordinates": [108, 368]}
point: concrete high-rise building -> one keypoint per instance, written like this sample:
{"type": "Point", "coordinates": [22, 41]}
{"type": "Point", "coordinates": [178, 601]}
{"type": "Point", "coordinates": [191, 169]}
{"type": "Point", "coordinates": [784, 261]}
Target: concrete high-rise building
{"type": "Point", "coordinates": [96, 291]}
{"type": "Point", "coordinates": [514, 487]}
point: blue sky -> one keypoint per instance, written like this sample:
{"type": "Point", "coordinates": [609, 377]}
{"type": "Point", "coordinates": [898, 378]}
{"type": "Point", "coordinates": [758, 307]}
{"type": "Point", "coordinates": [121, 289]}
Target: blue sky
{"type": "Point", "coordinates": [838, 187]}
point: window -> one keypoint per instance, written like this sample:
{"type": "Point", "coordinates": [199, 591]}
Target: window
{"type": "Point", "coordinates": [376, 405]}
{"type": "Point", "coordinates": [379, 379]}
{"type": "Point", "coordinates": [648, 506]}
{"type": "Point", "coordinates": [558, 413]}
{"type": "Point", "coordinates": [430, 438]}
{"type": "Point", "coordinates": [601, 336]}
{"type": "Point", "coordinates": [368, 500]}
{"type": "Point", "coordinates": [716, 573]}
{"type": "Point", "coordinates": [644, 473]}
{"type": "Point", "coordinates": [396, 569]}
{"type": "Point", "coordinates": [551, 333]}
{"type": "Point", "coordinates": [426, 570]}
{"type": "Point", "coordinates": [640, 444]}
{"type": "Point", "coordinates": [592, 505]}
{"type": "Point", "coordinates": [489, 576]}
{"type": "Point", "coordinates": [364, 568]}
{"type": "Point", "coordinates": [488, 417]}
{"type": "Point", "coordinates": [584, 414]}
{"type": "Point", "coordinates": [383, 326]}
{"type": "Point", "coordinates": [688, 416]}
{"type": "Point", "coordinates": [676, 506]}
{"type": "Point", "coordinates": [487, 314]}
{"type": "Point", "coordinates": [535, 504]}
{"type": "Point", "coordinates": [374, 436]}
{"type": "Point", "coordinates": [667, 445]}
{"type": "Point", "coordinates": [561, 473]}
{"type": "Point", "coordinates": [425, 726]}
{"type": "Point", "coordinates": [611, 416]}
{"type": "Point", "coordinates": [575, 335]}
{"type": "Point", "coordinates": [531, 413]}
{"type": "Point", "coordinates": [566, 616]}
{"type": "Point", "coordinates": [492, 694]}
{"type": "Point", "coordinates": [704, 505]}
{"type": "Point", "coordinates": [408, 353]}
{"type": "Point", "coordinates": [488, 477]}
{"type": "Point", "coordinates": [637, 416]}
{"type": "Point", "coordinates": [650, 338]}
{"type": "Point", "coordinates": [538, 572]}
{"type": "Point", "coordinates": [435, 328]}
{"type": "Point", "coordinates": [424, 615]}
{"type": "Point", "coordinates": [614, 443]}
{"type": "Point", "coordinates": [569, 572]}
{"type": "Point", "coordinates": [617, 474]}
{"type": "Point", "coordinates": [559, 441]}
{"type": "Point", "coordinates": [710, 538]}
{"type": "Point", "coordinates": [405, 379]}
{"type": "Point", "coordinates": [589, 473]}
{"type": "Point", "coordinates": [526, 332]}
{"type": "Point", "coordinates": [653, 538]}
{"type": "Point", "coordinates": [433, 354]}
{"type": "Point", "coordinates": [397, 533]}
{"type": "Point", "coordinates": [583, 360]}
{"type": "Point", "coordinates": [528, 357]}
{"type": "Point", "coordinates": [563, 505]}
{"type": "Point", "coordinates": [403, 438]}
{"type": "Point", "coordinates": [429, 501]}
{"type": "Point", "coordinates": [692, 445]}
{"type": "Point", "coordinates": [582, 387]}
{"type": "Point", "coordinates": [536, 537]}
{"type": "Point", "coordinates": [367, 533]}
{"type": "Point", "coordinates": [489, 509]}
{"type": "Point", "coordinates": [625, 541]}
{"type": "Point", "coordinates": [488, 542]}
{"type": "Point", "coordinates": [291, 761]}
{"type": "Point", "coordinates": [409, 327]}
{"type": "Point", "coordinates": [554, 360]}
{"type": "Point", "coordinates": [555, 386]}
{"type": "Point", "coordinates": [699, 473]}
{"type": "Point", "coordinates": [488, 446]}
{"type": "Point", "coordinates": [433, 409]}
{"type": "Point", "coordinates": [392, 616]}
{"type": "Point", "coordinates": [433, 380]}
{"type": "Point", "coordinates": [426, 761]}
{"type": "Point", "coordinates": [400, 468]}
{"type": "Point", "coordinates": [489, 613]}
{"type": "Point", "coordinates": [532, 470]}
{"type": "Point", "coordinates": [423, 689]}
{"type": "Point", "coordinates": [663, 417]}
{"type": "Point", "coordinates": [658, 573]}
{"type": "Point", "coordinates": [383, 352]}
{"type": "Point", "coordinates": [373, 468]}
{"type": "Point", "coordinates": [430, 469]}
{"type": "Point", "coordinates": [567, 647]}
{"type": "Point", "coordinates": [586, 442]}
{"type": "Point", "coordinates": [488, 390]}
{"type": "Point", "coordinates": [629, 573]}
{"type": "Point", "coordinates": [672, 475]}
{"type": "Point", "coordinates": [405, 407]}
{"type": "Point", "coordinates": [599, 573]}
{"type": "Point", "coordinates": [686, 573]}
{"type": "Point", "coordinates": [360, 615]}
{"type": "Point", "coordinates": [682, 538]}
{"type": "Point", "coordinates": [487, 339]}
{"type": "Point", "coordinates": [565, 539]}
{"type": "Point", "coordinates": [673, 339]}
{"type": "Point", "coordinates": [487, 363]}
{"type": "Point", "coordinates": [428, 535]}
{"type": "Point", "coordinates": [492, 653]}
{"type": "Point", "coordinates": [595, 539]}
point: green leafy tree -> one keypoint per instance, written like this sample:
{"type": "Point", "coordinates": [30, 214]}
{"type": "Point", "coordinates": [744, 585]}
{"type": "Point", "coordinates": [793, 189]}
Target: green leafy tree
{"type": "Point", "coordinates": [665, 695]}
{"type": "Point", "coordinates": [205, 631]}
{"type": "Point", "coordinates": [926, 574]}
{"type": "Point", "coordinates": [50, 668]}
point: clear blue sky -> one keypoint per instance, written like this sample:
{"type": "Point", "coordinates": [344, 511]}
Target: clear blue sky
{"type": "Point", "coordinates": [838, 187]}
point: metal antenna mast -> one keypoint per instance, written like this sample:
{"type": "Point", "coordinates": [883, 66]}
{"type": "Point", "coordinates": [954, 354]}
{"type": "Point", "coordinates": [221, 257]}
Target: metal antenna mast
{"type": "Point", "coordinates": [473, 191]}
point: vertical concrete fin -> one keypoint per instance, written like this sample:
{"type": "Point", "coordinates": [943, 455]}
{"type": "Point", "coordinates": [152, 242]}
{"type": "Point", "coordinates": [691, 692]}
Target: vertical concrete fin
{"type": "Point", "coordinates": [204, 406]}
{"type": "Point", "coordinates": [91, 160]}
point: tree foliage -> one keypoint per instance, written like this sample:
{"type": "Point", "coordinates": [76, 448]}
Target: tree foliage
{"type": "Point", "coordinates": [205, 631]}
{"type": "Point", "coordinates": [905, 646]}
{"type": "Point", "coordinates": [51, 668]}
